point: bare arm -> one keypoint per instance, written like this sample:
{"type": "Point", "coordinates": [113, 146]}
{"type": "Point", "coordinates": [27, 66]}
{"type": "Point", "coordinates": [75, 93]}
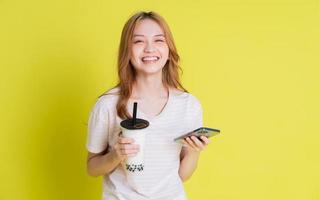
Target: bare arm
{"type": "Point", "coordinates": [101, 164]}
{"type": "Point", "coordinates": [104, 163]}
{"type": "Point", "coordinates": [189, 156]}
{"type": "Point", "coordinates": [188, 163]}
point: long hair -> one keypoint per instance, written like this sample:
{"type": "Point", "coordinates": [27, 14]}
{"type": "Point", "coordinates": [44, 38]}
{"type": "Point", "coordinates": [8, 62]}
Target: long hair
{"type": "Point", "coordinates": [126, 71]}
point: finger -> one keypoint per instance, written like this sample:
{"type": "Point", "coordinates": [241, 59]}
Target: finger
{"type": "Point", "coordinates": [130, 147]}
{"type": "Point", "coordinates": [129, 151]}
{"type": "Point", "coordinates": [123, 140]}
{"type": "Point", "coordinates": [191, 143]}
{"type": "Point", "coordinates": [185, 144]}
{"type": "Point", "coordinates": [131, 154]}
{"type": "Point", "coordinates": [205, 139]}
{"type": "Point", "coordinates": [197, 142]}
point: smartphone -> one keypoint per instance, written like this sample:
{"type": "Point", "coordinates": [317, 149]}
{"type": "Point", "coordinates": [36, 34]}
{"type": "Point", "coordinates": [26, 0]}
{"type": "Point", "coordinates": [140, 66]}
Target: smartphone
{"type": "Point", "coordinates": [208, 132]}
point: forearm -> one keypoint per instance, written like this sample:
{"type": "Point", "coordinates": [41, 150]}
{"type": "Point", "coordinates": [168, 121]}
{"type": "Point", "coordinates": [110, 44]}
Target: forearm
{"type": "Point", "coordinates": [103, 164]}
{"type": "Point", "coordinates": [188, 164]}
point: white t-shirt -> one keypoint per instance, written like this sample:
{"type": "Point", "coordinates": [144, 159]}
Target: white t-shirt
{"type": "Point", "coordinates": [160, 180]}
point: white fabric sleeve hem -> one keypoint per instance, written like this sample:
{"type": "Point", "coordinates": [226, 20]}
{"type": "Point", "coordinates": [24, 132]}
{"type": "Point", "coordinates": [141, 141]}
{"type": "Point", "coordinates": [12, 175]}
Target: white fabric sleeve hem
{"type": "Point", "coordinates": [93, 149]}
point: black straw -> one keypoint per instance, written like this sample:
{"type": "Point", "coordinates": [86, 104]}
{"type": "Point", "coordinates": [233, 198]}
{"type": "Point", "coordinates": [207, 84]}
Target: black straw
{"type": "Point", "coordinates": [134, 113]}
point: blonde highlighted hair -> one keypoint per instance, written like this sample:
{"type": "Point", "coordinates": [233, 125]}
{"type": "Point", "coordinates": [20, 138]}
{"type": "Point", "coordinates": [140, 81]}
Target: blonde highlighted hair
{"type": "Point", "coordinates": [126, 71]}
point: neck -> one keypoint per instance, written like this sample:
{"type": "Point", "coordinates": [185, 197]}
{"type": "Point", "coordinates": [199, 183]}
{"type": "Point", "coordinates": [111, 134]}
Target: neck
{"type": "Point", "coordinates": [149, 87]}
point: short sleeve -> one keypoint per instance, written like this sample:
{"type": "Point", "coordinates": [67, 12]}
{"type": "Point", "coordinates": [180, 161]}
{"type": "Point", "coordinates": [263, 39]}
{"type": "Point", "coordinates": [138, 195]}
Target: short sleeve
{"type": "Point", "coordinates": [197, 114]}
{"type": "Point", "coordinates": [97, 132]}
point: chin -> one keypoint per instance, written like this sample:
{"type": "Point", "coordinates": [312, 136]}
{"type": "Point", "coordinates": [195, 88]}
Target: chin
{"type": "Point", "coordinates": [150, 69]}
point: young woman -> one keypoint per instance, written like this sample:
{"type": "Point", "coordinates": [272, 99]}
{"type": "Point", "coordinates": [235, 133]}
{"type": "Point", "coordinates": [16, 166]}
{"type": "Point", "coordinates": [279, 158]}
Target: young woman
{"type": "Point", "coordinates": [148, 66]}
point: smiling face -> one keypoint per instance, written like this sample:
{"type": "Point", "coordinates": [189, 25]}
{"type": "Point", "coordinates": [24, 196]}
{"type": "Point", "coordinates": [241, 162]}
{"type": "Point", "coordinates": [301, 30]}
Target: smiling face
{"type": "Point", "coordinates": [149, 48]}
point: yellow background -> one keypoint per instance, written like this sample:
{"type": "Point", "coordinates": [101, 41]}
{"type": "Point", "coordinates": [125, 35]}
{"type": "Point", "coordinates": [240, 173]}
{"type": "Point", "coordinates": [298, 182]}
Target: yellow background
{"type": "Point", "coordinates": [253, 65]}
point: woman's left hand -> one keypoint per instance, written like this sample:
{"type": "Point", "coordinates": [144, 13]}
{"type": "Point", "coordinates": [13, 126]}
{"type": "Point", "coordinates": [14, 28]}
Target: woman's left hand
{"type": "Point", "coordinates": [196, 144]}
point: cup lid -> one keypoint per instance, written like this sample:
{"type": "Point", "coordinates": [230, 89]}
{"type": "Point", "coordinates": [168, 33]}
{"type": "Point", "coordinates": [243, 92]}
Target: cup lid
{"type": "Point", "coordinates": [139, 124]}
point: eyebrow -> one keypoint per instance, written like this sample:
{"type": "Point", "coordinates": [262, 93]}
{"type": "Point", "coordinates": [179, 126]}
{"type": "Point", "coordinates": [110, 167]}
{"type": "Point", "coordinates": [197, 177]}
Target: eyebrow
{"type": "Point", "coordinates": [135, 35]}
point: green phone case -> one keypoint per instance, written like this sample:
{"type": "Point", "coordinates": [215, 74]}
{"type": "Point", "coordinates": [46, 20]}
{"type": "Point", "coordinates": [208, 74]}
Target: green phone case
{"type": "Point", "coordinates": [208, 132]}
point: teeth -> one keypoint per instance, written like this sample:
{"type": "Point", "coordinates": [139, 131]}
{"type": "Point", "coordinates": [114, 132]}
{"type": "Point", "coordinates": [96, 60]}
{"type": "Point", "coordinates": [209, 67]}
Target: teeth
{"type": "Point", "coordinates": [150, 58]}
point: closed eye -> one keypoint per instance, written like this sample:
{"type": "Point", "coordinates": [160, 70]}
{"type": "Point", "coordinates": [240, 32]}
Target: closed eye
{"type": "Point", "coordinates": [137, 41]}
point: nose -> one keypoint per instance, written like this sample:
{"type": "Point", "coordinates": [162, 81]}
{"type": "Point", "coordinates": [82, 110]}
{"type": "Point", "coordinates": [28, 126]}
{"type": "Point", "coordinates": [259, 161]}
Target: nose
{"type": "Point", "coordinates": [149, 47]}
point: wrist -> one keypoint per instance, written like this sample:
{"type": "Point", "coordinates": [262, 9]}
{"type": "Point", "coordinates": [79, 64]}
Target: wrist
{"type": "Point", "coordinates": [192, 152]}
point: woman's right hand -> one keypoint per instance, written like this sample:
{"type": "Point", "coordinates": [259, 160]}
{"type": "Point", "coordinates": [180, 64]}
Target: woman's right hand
{"type": "Point", "coordinates": [125, 148]}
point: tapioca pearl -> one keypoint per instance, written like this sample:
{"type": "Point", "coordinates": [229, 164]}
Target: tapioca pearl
{"type": "Point", "coordinates": [140, 167]}
{"type": "Point", "coordinates": [129, 168]}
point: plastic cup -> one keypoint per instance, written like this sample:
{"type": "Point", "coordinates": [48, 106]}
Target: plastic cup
{"type": "Point", "coordinates": [137, 130]}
